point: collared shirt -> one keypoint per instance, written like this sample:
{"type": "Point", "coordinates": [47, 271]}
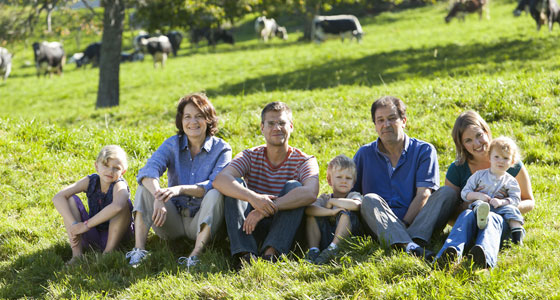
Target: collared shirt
{"type": "Point", "coordinates": [417, 167]}
{"type": "Point", "coordinates": [182, 169]}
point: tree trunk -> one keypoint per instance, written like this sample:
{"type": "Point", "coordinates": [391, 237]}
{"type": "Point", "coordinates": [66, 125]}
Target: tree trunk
{"type": "Point", "coordinates": [50, 10]}
{"type": "Point", "coordinates": [110, 56]}
{"type": "Point", "coordinates": [312, 10]}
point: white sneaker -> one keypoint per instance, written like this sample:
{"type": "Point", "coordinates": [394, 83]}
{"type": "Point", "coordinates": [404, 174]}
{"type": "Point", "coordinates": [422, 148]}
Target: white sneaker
{"type": "Point", "coordinates": [482, 212]}
{"type": "Point", "coordinates": [188, 262]}
{"type": "Point", "coordinates": [135, 256]}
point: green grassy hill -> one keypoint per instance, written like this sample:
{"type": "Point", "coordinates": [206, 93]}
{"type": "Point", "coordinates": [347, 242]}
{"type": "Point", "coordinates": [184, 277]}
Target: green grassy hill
{"type": "Point", "coordinates": [50, 133]}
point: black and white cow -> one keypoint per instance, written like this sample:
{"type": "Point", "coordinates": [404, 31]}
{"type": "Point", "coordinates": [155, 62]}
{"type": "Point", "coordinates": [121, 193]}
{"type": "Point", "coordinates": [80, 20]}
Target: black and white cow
{"type": "Point", "coordinates": [460, 7]}
{"type": "Point", "coordinates": [158, 46]}
{"type": "Point", "coordinates": [212, 35]}
{"type": "Point", "coordinates": [175, 38]}
{"type": "Point", "coordinates": [543, 11]}
{"type": "Point", "coordinates": [49, 57]}
{"type": "Point", "coordinates": [338, 25]}
{"type": "Point", "coordinates": [91, 54]}
{"type": "Point", "coordinates": [5, 63]}
{"type": "Point", "coordinates": [268, 28]}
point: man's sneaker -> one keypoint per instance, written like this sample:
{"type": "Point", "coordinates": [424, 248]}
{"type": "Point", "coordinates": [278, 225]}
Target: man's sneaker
{"type": "Point", "coordinates": [245, 260]}
{"type": "Point", "coordinates": [449, 256]}
{"type": "Point", "coordinates": [424, 253]}
{"type": "Point", "coordinates": [326, 256]}
{"type": "Point", "coordinates": [188, 262]}
{"type": "Point", "coordinates": [311, 255]}
{"type": "Point", "coordinates": [478, 256]}
{"type": "Point", "coordinates": [482, 212]}
{"type": "Point", "coordinates": [136, 256]}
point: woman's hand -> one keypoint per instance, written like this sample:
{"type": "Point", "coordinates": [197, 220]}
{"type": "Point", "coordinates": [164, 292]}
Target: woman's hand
{"type": "Point", "coordinates": [495, 202]}
{"type": "Point", "coordinates": [160, 213]}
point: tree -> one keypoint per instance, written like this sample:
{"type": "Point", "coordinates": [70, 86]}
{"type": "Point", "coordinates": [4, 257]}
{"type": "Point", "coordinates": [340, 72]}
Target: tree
{"type": "Point", "coordinates": [111, 44]}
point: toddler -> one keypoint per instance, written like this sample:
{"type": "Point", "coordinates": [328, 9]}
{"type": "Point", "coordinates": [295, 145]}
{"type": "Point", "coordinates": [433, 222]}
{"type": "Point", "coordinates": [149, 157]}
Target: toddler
{"type": "Point", "coordinates": [109, 217]}
{"type": "Point", "coordinates": [332, 217]}
{"type": "Point", "coordinates": [496, 190]}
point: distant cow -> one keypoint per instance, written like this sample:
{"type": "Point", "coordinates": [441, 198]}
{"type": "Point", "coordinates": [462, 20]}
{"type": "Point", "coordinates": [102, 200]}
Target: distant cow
{"type": "Point", "coordinates": [212, 35]}
{"type": "Point", "coordinates": [136, 40]}
{"type": "Point", "coordinates": [132, 57]}
{"type": "Point", "coordinates": [5, 63]}
{"type": "Point", "coordinates": [175, 39]}
{"type": "Point", "coordinates": [268, 28]}
{"type": "Point", "coordinates": [158, 46]}
{"type": "Point", "coordinates": [49, 57]}
{"type": "Point", "coordinates": [460, 7]}
{"type": "Point", "coordinates": [338, 25]}
{"type": "Point", "coordinates": [542, 11]}
{"type": "Point", "coordinates": [91, 54]}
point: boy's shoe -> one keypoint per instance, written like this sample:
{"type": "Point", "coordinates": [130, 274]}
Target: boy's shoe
{"type": "Point", "coordinates": [424, 253]}
{"type": "Point", "coordinates": [478, 256]}
{"type": "Point", "coordinates": [311, 255]}
{"type": "Point", "coordinates": [326, 256]}
{"type": "Point", "coordinates": [136, 256]}
{"type": "Point", "coordinates": [188, 262]}
{"type": "Point", "coordinates": [245, 259]}
{"type": "Point", "coordinates": [482, 212]}
{"type": "Point", "coordinates": [449, 256]}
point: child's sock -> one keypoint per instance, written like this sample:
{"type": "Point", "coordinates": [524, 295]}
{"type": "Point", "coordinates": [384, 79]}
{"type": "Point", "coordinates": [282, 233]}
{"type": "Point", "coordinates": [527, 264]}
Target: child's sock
{"type": "Point", "coordinates": [332, 246]}
{"type": "Point", "coordinates": [517, 235]}
{"type": "Point", "coordinates": [411, 246]}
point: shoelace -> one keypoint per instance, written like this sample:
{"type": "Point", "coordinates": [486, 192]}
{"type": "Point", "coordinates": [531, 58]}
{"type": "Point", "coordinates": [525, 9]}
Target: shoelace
{"type": "Point", "coordinates": [136, 252]}
{"type": "Point", "coordinates": [189, 262]}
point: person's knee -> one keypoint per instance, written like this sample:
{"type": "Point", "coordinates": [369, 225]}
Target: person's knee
{"type": "Point", "coordinates": [213, 196]}
{"type": "Point", "coordinates": [369, 202]}
{"type": "Point", "coordinates": [291, 184]}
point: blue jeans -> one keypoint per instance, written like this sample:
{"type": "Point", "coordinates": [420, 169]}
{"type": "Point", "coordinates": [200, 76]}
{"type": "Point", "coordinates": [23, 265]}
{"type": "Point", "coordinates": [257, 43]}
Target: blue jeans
{"type": "Point", "coordinates": [277, 231]}
{"type": "Point", "coordinates": [508, 212]}
{"type": "Point", "coordinates": [327, 227]}
{"type": "Point", "coordinates": [465, 233]}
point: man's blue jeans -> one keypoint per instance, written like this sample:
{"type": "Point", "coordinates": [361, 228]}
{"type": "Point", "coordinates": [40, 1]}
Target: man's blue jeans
{"type": "Point", "coordinates": [465, 233]}
{"type": "Point", "coordinates": [277, 231]}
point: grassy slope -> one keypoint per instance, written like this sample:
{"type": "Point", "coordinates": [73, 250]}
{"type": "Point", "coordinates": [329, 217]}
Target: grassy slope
{"type": "Point", "coordinates": [502, 68]}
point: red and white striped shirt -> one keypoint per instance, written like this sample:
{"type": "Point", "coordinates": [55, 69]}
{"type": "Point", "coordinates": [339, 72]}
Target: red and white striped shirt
{"type": "Point", "coordinates": [264, 178]}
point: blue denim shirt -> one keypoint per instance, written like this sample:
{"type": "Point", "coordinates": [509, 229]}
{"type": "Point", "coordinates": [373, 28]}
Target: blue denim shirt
{"type": "Point", "coordinates": [182, 169]}
{"type": "Point", "coordinates": [417, 167]}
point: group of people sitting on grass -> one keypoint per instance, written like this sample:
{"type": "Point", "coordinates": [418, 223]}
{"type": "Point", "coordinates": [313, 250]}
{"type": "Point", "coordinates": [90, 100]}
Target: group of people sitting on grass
{"type": "Point", "coordinates": [389, 190]}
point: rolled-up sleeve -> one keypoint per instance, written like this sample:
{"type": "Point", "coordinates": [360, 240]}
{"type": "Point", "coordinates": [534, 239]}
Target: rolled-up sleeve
{"type": "Point", "coordinates": [157, 164]}
{"type": "Point", "coordinates": [427, 173]}
{"type": "Point", "coordinates": [222, 161]}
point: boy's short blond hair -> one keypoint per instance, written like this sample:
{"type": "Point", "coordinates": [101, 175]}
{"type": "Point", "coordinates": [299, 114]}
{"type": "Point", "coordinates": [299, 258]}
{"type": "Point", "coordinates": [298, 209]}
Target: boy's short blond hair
{"type": "Point", "coordinates": [342, 162]}
{"type": "Point", "coordinates": [505, 145]}
{"type": "Point", "coordinates": [112, 152]}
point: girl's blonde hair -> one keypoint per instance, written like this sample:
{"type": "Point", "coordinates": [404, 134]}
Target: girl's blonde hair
{"type": "Point", "coordinates": [505, 145]}
{"type": "Point", "coordinates": [112, 152]}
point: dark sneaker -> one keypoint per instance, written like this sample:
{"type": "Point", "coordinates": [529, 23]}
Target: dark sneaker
{"type": "Point", "coordinates": [245, 259]}
{"type": "Point", "coordinates": [270, 258]}
{"type": "Point", "coordinates": [478, 256]}
{"type": "Point", "coordinates": [326, 256]}
{"type": "Point", "coordinates": [482, 212]}
{"type": "Point", "coordinates": [311, 255]}
{"type": "Point", "coordinates": [424, 253]}
{"type": "Point", "coordinates": [448, 257]}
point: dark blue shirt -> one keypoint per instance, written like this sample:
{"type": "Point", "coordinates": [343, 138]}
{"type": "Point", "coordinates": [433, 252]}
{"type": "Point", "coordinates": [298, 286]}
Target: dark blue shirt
{"type": "Point", "coordinates": [182, 169]}
{"type": "Point", "coordinates": [417, 167]}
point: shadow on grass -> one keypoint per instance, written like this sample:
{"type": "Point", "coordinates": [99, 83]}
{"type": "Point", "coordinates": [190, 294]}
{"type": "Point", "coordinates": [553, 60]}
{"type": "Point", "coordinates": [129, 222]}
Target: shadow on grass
{"type": "Point", "coordinates": [386, 67]}
{"type": "Point", "coordinates": [43, 274]}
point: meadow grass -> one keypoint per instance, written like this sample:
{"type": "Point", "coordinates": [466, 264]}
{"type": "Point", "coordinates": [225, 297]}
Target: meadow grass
{"type": "Point", "coordinates": [51, 132]}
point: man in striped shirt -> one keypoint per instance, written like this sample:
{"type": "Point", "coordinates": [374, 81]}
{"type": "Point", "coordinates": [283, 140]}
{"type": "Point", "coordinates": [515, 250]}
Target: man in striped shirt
{"type": "Point", "coordinates": [264, 209]}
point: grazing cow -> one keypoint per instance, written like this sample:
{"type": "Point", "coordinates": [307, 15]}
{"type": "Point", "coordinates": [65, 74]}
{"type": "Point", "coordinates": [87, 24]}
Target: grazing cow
{"type": "Point", "coordinates": [542, 11]}
{"type": "Point", "coordinates": [132, 57]}
{"type": "Point", "coordinates": [460, 7]}
{"type": "Point", "coordinates": [212, 35]}
{"type": "Point", "coordinates": [338, 25]}
{"type": "Point", "coordinates": [175, 39]}
{"type": "Point", "coordinates": [136, 40]}
{"type": "Point", "coordinates": [5, 63]}
{"type": "Point", "coordinates": [268, 28]}
{"type": "Point", "coordinates": [158, 46]}
{"type": "Point", "coordinates": [49, 57]}
{"type": "Point", "coordinates": [91, 54]}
